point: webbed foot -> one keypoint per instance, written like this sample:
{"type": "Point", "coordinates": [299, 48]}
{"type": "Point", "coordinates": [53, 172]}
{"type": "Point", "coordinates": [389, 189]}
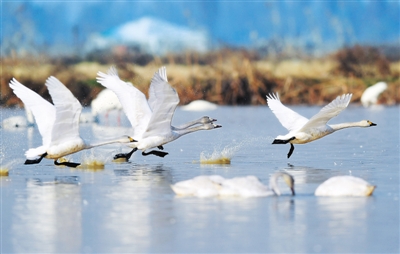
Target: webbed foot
{"type": "Point", "coordinates": [156, 153]}
{"type": "Point", "coordinates": [127, 156]}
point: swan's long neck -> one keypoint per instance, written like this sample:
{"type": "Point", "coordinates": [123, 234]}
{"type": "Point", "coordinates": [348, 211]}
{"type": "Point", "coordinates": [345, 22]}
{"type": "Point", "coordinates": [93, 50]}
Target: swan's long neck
{"type": "Point", "coordinates": [340, 126]}
{"type": "Point", "coordinates": [181, 132]}
{"type": "Point", "coordinates": [107, 142]}
{"type": "Point", "coordinates": [273, 183]}
{"type": "Point", "coordinates": [187, 125]}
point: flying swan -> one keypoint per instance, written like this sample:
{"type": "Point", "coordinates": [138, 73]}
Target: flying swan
{"type": "Point", "coordinates": [215, 185]}
{"type": "Point", "coordinates": [303, 130]}
{"type": "Point", "coordinates": [338, 186]}
{"type": "Point", "coordinates": [58, 124]}
{"type": "Point", "coordinates": [151, 120]}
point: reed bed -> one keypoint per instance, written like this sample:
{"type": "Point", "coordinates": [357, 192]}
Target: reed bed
{"type": "Point", "coordinates": [225, 77]}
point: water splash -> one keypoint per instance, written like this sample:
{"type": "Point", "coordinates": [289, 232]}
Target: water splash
{"type": "Point", "coordinates": [225, 154]}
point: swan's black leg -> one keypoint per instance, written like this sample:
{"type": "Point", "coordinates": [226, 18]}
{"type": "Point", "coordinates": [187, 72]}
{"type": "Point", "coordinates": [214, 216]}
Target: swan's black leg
{"type": "Point", "coordinates": [156, 153]}
{"type": "Point", "coordinates": [280, 141]}
{"type": "Point", "coordinates": [127, 156]}
{"type": "Point", "coordinates": [66, 163]}
{"type": "Point", "coordinates": [291, 150]}
{"type": "Point", "coordinates": [160, 147]}
{"type": "Point", "coordinates": [27, 162]}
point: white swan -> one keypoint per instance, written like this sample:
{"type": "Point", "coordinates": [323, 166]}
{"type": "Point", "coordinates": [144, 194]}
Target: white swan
{"type": "Point", "coordinates": [105, 101]}
{"type": "Point", "coordinates": [199, 105]}
{"type": "Point", "coordinates": [151, 120]}
{"type": "Point", "coordinates": [215, 185]}
{"type": "Point", "coordinates": [371, 94]}
{"type": "Point", "coordinates": [345, 186]}
{"type": "Point", "coordinates": [19, 121]}
{"type": "Point", "coordinates": [58, 124]}
{"type": "Point", "coordinates": [303, 130]}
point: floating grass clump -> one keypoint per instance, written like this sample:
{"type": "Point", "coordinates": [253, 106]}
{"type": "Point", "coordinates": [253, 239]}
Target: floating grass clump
{"type": "Point", "coordinates": [3, 172]}
{"type": "Point", "coordinates": [222, 160]}
{"type": "Point", "coordinates": [220, 156]}
{"type": "Point", "coordinates": [92, 164]}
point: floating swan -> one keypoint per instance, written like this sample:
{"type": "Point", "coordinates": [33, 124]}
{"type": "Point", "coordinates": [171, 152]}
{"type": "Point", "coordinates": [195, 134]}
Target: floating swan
{"type": "Point", "coordinates": [303, 130]}
{"type": "Point", "coordinates": [345, 186]}
{"type": "Point", "coordinates": [199, 105]}
{"type": "Point", "coordinates": [58, 124]}
{"type": "Point", "coordinates": [215, 185]}
{"type": "Point", "coordinates": [19, 121]}
{"type": "Point", "coordinates": [151, 120]}
{"type": "Point", "coordinates": [105, 101]}
{"type": "Point", "coordinates": [371, 94]}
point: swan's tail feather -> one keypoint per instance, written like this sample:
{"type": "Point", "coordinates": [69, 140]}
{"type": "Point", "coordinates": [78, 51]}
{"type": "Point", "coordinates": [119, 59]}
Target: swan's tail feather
{"type": "Point", "coordinates": [35, 153]}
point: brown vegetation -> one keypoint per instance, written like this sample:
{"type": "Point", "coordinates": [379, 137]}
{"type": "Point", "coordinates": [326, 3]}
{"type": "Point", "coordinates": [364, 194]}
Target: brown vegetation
{"type": "Point", "coordinates": [226, 76]}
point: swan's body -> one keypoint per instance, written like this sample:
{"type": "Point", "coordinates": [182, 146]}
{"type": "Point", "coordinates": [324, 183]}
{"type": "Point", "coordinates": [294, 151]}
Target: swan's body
{"type": "Point", "coordinates": [303, 130]}
{"type": "Point", "coordinates": [371, 94]}
{"type": "Point", "coordinates": [105, 101]}
{"type": "Point", "coordinates": [215, 185]}
{"type": "Point", "coordinates": [199, 105]}
{"type": "Point", "coordinates": [345, 186]}
{"type": "Point", "coordinates": [58, 124]}
{"type": "Point", "coordinates": [151, 120]}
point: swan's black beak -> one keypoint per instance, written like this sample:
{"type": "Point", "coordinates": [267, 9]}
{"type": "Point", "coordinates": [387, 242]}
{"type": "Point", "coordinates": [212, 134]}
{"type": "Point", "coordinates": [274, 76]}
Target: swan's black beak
{"type": "Point", "coordinates": [212, 119]}
{"type": "Point", "coordinates": [372, 124]}
{"type": "Point", "coordinates": [278, 141]}
{"type": "Point", "coordinates": [217, 126]}
{"type": "Point", "coordinates": [293, 193]}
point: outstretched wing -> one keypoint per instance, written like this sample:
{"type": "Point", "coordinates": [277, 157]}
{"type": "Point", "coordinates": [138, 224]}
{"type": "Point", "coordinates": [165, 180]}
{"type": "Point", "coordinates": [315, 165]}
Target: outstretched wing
{"type": "Point", "coordinates": [328, 112]}
{"type": "Point", "coordinates": [165, 102]}
{"type": "Point", "coordinates": [43, 111]}
{"type": "Point", "coordinates": [287, 117]}
{"type": "Point", "coordinates": [152, 92]}
{"type": "Point", "coordinates": [133, 101]}
{"type": "Point", "coordinates": [68, 111]}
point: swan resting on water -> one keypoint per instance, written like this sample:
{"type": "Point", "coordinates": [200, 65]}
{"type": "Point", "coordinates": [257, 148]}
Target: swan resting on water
{"type": "Point", "coordinates": [199, 105]}
{"type": "Point", "coordinates": [215, 185]}
{"type": "Point", "coordinates": [151, 120]}
{"type": "Point", "coordinates": [58, 124]}
{"type": "Point", "coordinates": [345, 186]}
{"type": "Point", "coordinates": [303, 130]}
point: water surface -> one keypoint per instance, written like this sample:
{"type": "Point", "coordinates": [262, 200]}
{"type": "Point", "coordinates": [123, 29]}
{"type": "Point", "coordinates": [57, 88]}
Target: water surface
{"type": "Point", "coordinates": [130, 207]}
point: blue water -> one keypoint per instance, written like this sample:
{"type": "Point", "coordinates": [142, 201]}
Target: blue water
{"type": "Point", "coordinates": [130, 207]}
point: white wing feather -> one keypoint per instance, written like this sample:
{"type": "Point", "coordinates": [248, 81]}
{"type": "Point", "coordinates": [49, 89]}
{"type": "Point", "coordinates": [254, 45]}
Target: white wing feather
{"type": "Point", "coordinates": [164, 106]}
{"type": "Point", "coordinates": [133, 101]}
{"type": "Point", "coordinates": [328, 112]}
{"type": "Point", "coordinates": [287, 117]}
{"type": "Point", "coordinates": [152, 93]}
{"type": "Point", "coordinates": [43, 111]}
{"type": "Point", "coordinates": [68, 111]}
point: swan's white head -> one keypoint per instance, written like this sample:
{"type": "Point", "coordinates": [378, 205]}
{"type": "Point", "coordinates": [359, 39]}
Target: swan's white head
{"type": "Point", "coordinates": [211, 126]}
{"type": "Point", "coordinates": [206, 119]}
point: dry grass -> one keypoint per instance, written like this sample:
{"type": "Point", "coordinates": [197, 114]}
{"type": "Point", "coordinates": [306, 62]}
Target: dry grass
{"type": "Point", "coordinates": [224, 77]}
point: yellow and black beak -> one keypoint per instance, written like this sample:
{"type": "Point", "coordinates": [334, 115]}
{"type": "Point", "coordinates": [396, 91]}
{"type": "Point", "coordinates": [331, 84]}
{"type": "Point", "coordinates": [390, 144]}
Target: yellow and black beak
{"type": "Point", "coordinates": [131, 139]}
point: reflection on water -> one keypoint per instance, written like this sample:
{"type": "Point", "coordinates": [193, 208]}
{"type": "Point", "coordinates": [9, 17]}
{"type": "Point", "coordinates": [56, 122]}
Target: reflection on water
{"type": "Point", "coordinates": [47, 217]}
{"type": "Point", "coordinates": [131, 206]}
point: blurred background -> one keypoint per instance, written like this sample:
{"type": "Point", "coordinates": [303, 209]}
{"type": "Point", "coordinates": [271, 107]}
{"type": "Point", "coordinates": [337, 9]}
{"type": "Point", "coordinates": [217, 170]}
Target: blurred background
{"type": "Point", "coordinates": [226, 52]}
